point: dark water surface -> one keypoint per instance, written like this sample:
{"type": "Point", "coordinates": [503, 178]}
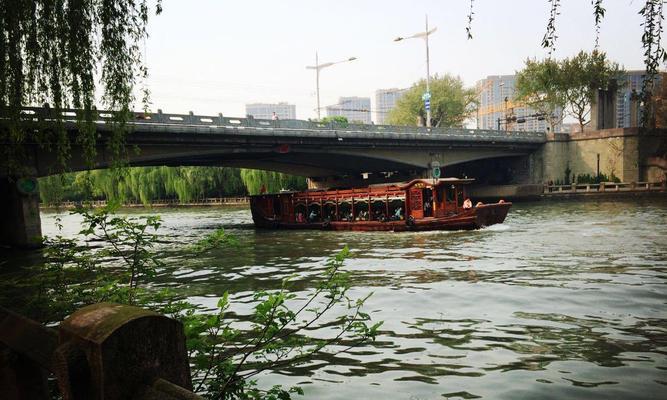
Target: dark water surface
{"type": "Point", "coordinates": [563, 300]}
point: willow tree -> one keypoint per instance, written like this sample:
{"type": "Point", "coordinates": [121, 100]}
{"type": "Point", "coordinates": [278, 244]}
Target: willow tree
{"type": "Point", "coordinates": [62, 53]}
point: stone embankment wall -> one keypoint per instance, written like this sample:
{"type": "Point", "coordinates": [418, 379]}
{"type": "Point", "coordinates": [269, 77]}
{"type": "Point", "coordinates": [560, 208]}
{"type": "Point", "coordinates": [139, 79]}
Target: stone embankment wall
{"type": "Point", "coordinates": [631, 154]}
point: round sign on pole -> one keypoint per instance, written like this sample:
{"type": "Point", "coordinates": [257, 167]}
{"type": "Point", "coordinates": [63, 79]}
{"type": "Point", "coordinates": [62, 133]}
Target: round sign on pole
{"type": "Point", "coordinates": [436, 172]}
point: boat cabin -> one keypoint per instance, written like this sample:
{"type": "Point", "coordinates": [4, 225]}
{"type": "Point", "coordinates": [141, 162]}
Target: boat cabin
{"type": "Point", "coordinates": [419, 199]}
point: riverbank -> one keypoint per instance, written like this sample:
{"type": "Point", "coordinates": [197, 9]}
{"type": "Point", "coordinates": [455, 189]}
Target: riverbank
{"type": "Point", "coordinates": [171, 203]}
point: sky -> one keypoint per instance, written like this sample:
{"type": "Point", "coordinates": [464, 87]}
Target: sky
{"type": "Point", "coordinates": [213, 57]}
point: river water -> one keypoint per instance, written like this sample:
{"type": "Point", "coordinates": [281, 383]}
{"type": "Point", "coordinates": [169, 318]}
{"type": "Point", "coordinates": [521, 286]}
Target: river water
{"type": "Point", "coordinates": [563, 300]}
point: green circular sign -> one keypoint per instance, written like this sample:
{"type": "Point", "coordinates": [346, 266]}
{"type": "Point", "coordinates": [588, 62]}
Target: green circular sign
{"type": "Point", "coordinates": [27, 186]}
{"type": "Point", "coordinates": [436, 172]}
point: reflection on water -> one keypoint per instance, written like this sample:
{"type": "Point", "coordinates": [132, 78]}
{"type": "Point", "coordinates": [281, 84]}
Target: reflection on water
{"type": "Point", "coordinates": [564, 300]}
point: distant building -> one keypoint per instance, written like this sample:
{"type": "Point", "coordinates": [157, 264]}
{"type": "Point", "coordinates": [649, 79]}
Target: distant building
{"type": "Point", "coordinates": [631, 85]}
{"type": "Point", "coordinates": [496, 102]}
{"type": "Point", "coordinates": [355, 109]}
{"type": "Point", "coordinates": [266, 110]}
{"type": "Point", "coordinates": [385, 101]}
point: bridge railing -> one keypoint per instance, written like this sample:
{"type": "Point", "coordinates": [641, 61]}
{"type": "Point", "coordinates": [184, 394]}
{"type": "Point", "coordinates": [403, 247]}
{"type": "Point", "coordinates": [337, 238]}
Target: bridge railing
{"type": "Point", "coordinates": [219, 121]}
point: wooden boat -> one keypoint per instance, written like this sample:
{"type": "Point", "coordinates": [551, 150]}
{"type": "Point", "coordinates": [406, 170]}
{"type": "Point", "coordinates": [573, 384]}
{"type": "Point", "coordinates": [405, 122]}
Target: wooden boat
{"type": "Point", "coordinates": [419, 205]}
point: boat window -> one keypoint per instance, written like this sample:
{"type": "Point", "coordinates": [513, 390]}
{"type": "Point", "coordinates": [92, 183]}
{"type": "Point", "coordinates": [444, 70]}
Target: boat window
{"type": "Point", "coordinates": [450, 193]}
{"type": "Point", "coordinates": [397, 209]}
{"type": "Point", "coordinates": [300, 212]}
{"type": "Point", "coordinates": [361, 211]}
{"type": "Point", "coordinates": [314, 213]}
{"type": "Point", "coordinates": [329, 211]}
{"type": "Point", "coordinates": [277, 206]}
{"type": "Point", "coordinates": [378, 210]}
{"type": "Point", "coordinates": [344, 211]}
{"type": "Point", "coordinates": [427, 196]}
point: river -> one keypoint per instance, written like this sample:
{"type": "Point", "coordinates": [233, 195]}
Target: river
{"type": "Point", "coordinates": [563, 300]}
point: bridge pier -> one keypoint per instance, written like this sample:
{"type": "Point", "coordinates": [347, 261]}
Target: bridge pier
{"type": "Point", "coordinates": [20, 223]}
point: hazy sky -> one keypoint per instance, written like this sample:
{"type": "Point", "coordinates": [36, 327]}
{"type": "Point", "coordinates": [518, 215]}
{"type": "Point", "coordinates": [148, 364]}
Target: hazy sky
{"type": "Point", "coordinates": [216, 56]}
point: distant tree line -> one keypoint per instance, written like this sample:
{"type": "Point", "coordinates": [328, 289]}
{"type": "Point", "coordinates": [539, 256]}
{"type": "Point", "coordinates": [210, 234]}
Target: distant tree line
{"type": "Point", "coordinates": [147, 184]}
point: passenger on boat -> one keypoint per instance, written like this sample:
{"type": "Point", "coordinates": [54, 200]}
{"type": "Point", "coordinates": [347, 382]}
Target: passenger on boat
{"type": "Point", "coordinates": [299, 217]}
{"type": "Point", "coordinates": [427, 208]}
{"type": "Point", "coordinates": [467, 204]}
{"type": "Point", "coordinates": [312, 216]}
{"type": "Point", "coordinates": [397, 214]}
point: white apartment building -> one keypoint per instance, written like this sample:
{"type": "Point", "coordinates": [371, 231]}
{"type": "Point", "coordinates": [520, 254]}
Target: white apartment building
{"type": "Point", "coordinates": [266, 110]}
{"type": "Point", "coordinates": [355, 109]}
{"type": "Point", "coordinates": [496, 103]}
{"type": "Point", "coordinates": [385, 101]}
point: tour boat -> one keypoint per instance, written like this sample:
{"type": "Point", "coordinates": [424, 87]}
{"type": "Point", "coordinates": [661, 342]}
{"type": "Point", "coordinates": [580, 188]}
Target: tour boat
{"type": "Point", "coordinates": [418, 205]}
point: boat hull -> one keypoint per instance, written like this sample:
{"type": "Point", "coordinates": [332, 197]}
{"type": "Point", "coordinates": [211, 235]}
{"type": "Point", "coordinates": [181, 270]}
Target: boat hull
{"type": "Point", "coordinates": [474, 218]}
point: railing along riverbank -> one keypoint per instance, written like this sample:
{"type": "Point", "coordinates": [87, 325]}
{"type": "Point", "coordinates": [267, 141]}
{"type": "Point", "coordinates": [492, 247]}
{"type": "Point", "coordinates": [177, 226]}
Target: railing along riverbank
{"type": "Point", "coordinates": [213, 201]}
{"type": "Point", "coordinates": [604, 188]}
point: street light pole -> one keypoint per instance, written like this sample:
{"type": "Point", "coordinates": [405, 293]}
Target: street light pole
{"type": "Point", "coordinates": [424, 35]}
{"type": "Point", "coordinates": [317, 67]}
{"type": "Point", "coordinates": [317, 84]}
{"type": "Point", "coordinates": [428, 77]}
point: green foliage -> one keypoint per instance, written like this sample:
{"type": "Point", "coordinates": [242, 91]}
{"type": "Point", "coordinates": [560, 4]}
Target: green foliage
{"type": "Point", "coordinates": [451, 103]}
{"type": "Point", "coordinates": [568, 174]}
{"type": "Point", "coordinates": [224, 358]}
{"type": "Point", "coordinates": [582, 75]}
{"type": "Point", "coordinates": [63, 53]}
{"type": "Point", "coordinates": [226, 364]}
{"type": "Point", "coordinates": [217, 239]}
{"type": "Point", "coordinates": [595, 179]}
{"type": "Point", "coordinates": [338, 120]}
{"type": "Point", "coordinates": [654, 52]}
{"type": "Point", "coordinates": [147, 184]}
{"type": "Point", "coordinates": [569, 84]}
{"type": "Point", "coordinates": [272, 182]}
{"type": "Point", "coordinates": [539, 86]}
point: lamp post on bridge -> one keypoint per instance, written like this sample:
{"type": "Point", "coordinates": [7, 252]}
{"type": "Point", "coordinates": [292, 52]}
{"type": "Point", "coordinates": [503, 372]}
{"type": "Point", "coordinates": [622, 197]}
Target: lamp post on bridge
{"type": "Point", "coordinates": [317, 67]}
{"type": "Point", "coordinates": [427, 96]}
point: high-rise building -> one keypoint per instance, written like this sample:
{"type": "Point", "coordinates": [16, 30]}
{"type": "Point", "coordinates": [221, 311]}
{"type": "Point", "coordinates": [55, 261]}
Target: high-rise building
{"type": "Point", "coordinates": [629, 86]}
{"type": "Point", "coordinates": [355, 109]}
{"type": "Point", "coordinates": [496, 105]}
{"type": "Point", "coordinates": [266, 110]}
{"type": "Point", "coordinates": [385, 101]}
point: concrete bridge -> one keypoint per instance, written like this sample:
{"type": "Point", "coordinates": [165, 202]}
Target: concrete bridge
{"type": "Point", "coordinates": [304, 148]}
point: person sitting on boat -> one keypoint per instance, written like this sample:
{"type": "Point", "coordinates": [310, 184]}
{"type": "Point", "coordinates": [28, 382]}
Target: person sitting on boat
{"type": "Point", "coordinates": [312, 216]}
{"type": "Point", "coordinates": [397, 214]}
{"type": "Point", "coordinates": [467, 204]}
{"type": "Point", "coordinates": [299, 217]}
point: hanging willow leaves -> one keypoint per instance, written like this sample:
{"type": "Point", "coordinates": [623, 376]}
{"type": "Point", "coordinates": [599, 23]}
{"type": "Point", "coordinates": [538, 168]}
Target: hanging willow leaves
{"type": "Point", "coordinates": [470, 18]}
{"type": "Point", "coordinates": [654, 54]}
{"type": "Point", "coordinates": [549, 39]}
{"type": "Point", "coordinates": [61, 53]}
{"type": "Point", "coordinates": [598, 13]}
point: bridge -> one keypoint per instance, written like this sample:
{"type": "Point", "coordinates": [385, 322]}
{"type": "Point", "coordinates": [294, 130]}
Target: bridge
{"type": "Point", "coordinates": [304, 148]}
